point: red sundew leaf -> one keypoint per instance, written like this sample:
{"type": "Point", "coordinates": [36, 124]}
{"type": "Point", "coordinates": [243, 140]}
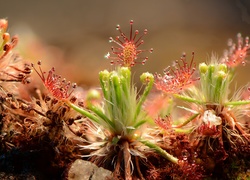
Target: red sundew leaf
{"type": "Point", "coordinates": [12, 66]}
{"type": "Point", "coordinates": [127, 50]}
{"type": "Point", "coordinates": [164, 123]}
{"type": "Point", "coordinates": [6, 46]}
{"type": "Point", "coordinates": [177, 77]}
{"type": "Point", "coordinates": [237, 52]}
{"type": "Point", "coordinates": [56, 85]}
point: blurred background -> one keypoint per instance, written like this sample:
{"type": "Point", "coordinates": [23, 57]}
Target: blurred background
{"type": "Point", "coordinates": [73, 36]}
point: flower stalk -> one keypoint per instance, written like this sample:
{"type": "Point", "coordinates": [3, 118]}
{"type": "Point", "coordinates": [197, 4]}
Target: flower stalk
{"type": "Point", "coordinates": [160, 151]}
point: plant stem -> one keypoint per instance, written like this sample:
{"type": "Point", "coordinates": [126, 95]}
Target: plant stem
{"type": "Point", "coordinates": [160, 151]}
{"type": "Point", "coordinates": [144, 96]}
{"type": "Point", "coordinates": [237, 103]}
{"type": "Point", "coordinates": [84, 112]}
{"type": "Point", "coordinates": [99, 113]}
{"type": "Point", "coordinates": [186, 122]}
{"type": "Point", "coordinates": [187, 99]}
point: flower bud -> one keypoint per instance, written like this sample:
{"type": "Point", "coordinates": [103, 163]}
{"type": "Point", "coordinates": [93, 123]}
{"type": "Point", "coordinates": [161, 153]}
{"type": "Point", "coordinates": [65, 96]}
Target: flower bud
{"type": "Point", "coordinates": [3, 24]}
{"type": "Point", "coordinates": [203, 68]}
{"type": "Point", "coordinates": [104, 75]}
{"type": "Point", "coordinates": [146, 77]}
{"type": "Point", "coordinates": [222, 67]}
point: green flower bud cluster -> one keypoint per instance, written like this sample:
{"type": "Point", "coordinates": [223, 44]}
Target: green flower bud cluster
{"type": "Point", "coordinates": [121, 105]}
{"type": "Point", "coordinates": [121, 113]}
{"type": "Point", "coordinates": [215, 80]}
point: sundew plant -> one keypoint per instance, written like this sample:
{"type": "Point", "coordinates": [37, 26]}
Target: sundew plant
{"type": "Point", "coordinates": [120, 124]}
{"type": "Point", "coordinates": [187, 123]}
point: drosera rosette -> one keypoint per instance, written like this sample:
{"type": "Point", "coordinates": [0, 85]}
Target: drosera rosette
{"type": "Point", "coordinates": [52, 107]}
{"type": "Point", "coordinates": [117, 133]}
{"type": "Point", "coordinates": [118, 124]}
{"type": "Point", "coordinates": [13, 72]}
{"type": "Point", "coordinates": [177, 77]}
{"type": "Point", "coordinates": [55, 84]}
{"type": "Point", "coordinates": [12, 66]}
{"type": "Point", "coordinates": [58, 93]}
{"type": "Point", "coordinates": [215, 117]}
{"type": "Point", "coordinates": [237, 52]}
{"type": "Point", "coordinates": [213, 120]}
{"type": "Point", "coordinates": [127, 52]}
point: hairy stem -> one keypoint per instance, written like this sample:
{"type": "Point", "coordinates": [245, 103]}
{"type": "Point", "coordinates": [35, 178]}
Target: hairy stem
{"type": "Point", "coordinates": [160, 151]}
{"type": "Point", "coordinates": [144, 96]}
{"type": "Point", "coordinates": [186, 122]}
{"type": "Point", "coordinates": [85, 113]}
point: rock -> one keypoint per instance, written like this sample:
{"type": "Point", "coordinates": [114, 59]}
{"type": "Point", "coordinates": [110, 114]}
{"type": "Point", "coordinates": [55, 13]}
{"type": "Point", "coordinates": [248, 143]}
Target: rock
{"type": "Point", "coordinates": [85, 170]}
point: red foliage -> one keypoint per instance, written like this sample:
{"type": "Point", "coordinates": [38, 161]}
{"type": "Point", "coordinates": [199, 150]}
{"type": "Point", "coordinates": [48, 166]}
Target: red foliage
{"type": "Point", "coordinates": [177, 77]}
{"type": "Point", "coordinates": [237, 53]}
{"type": "Point", "coordinates": [57, 86]}
{"type": "Point", "coordinates": [126, 54]}
{"type": "Point", "coordinates": [12, 67]}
